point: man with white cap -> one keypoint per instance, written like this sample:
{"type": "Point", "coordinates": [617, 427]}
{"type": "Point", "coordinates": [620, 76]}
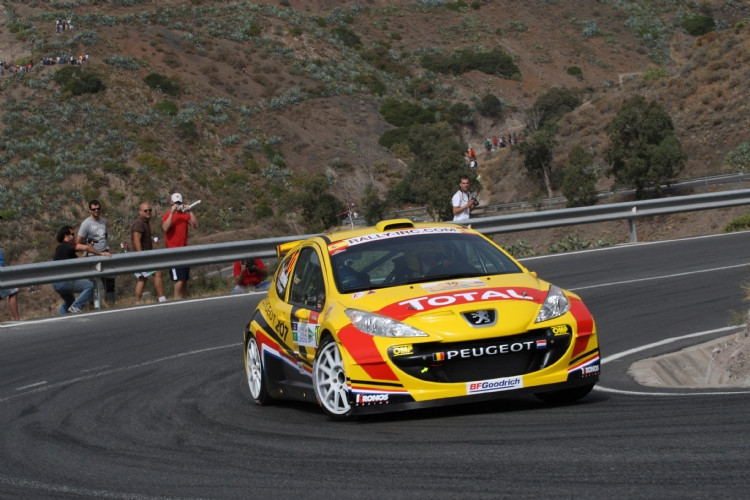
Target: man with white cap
{"type": "Point", "coordinates": [175, 225]}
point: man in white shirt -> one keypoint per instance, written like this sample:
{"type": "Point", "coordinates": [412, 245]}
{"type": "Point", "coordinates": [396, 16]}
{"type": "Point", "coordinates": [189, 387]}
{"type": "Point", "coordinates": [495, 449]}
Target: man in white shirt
{"type": "Point", "coordinates": [463, 202]}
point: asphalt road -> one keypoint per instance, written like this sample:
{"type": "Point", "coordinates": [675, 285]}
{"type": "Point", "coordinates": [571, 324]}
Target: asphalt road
{"type": "Point", "coordinates": [151, 402]}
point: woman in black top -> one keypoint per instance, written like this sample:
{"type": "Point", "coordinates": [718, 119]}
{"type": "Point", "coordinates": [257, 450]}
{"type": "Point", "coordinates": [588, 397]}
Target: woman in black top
{"type": "Point", "coordinates": [67, 289]}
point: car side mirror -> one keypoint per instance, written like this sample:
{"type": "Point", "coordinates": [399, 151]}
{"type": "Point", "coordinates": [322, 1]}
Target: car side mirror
{"type": "Point", "coordinates": [302, 314]}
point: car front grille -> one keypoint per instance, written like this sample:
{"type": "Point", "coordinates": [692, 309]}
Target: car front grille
{"type": "Point", "coordinates": [482, 359]}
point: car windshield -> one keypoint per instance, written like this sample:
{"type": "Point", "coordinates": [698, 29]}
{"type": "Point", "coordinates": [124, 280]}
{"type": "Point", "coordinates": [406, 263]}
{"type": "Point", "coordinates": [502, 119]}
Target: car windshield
{"type": "Point", "coordinates": [399, 258]}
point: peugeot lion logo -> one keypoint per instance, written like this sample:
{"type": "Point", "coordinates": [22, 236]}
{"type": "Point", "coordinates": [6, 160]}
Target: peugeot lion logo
{"type": "Point", "coordinates": [487, 317]}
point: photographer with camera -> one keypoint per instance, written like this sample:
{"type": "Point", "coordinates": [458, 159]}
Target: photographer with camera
{"type": "Point", "coordinates": [249, 273]}
{"type": "Point", "coordinates": [175, 224]}
{"type": "Point", "coordinates": [463, 202]}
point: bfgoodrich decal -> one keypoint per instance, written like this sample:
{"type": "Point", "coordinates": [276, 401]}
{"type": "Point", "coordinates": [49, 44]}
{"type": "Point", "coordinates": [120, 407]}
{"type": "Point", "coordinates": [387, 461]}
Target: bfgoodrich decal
{"type": "Point", "coordinates": [494, 385]}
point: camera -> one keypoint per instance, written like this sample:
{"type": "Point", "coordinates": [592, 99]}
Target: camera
{"type": "Point", "coordinates": [475, 201]}
{"type": "Point", "coordinates": [248, 264]}
{"type": "Point", "coordinates": [187, 208]}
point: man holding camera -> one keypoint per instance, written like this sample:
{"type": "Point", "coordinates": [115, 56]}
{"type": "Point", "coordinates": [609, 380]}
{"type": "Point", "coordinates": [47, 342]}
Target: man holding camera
{"type": "Point", "coordinates": [175, 224]}
{"type": "Point", "coordinates": [249, 273]}
{"type": "Point", "coordinates": [463, 202]}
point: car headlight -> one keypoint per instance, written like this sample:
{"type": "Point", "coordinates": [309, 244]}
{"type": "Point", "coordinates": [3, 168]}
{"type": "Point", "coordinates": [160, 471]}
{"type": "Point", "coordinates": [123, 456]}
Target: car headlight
{"type": "Point", "coordinates": [381, 326]}
{"type": "Point", "coordinates": [556, 304]}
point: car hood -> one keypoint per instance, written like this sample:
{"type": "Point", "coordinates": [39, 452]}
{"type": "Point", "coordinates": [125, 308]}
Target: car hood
{"type": "Point", "coordinates": [491, 305]}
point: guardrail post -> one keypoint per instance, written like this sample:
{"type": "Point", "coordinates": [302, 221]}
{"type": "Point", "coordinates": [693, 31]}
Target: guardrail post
{"type": "Point", "coordinates": [633, 234]}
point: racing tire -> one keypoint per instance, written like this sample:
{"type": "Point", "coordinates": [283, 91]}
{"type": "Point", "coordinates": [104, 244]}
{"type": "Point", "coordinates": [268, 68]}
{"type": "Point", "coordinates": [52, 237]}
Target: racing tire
{"type": "Point", "coordinates": [329, 381]}
{"type": "Point", "coordinates": [565, 396]}
{"type": "Point", "coordinates": [256, 377]}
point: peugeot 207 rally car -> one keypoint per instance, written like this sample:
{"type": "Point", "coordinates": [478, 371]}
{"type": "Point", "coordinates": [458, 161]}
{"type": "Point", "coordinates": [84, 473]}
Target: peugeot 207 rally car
{"type": "Point", "coordinates": [406, 315]}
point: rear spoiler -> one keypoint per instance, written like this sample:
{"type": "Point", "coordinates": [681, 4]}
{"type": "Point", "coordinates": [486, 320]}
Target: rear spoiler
{"type": "Point", "coordinates": [284, 248]}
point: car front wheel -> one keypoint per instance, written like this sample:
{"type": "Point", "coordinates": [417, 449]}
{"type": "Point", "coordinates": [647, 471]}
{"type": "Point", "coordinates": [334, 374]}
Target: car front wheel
{"type": "Point", "coordinates": [329, 381]}
{"type": "Point", "coordinates": [254, 370]}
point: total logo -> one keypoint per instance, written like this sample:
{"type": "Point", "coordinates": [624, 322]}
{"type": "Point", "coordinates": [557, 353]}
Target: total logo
{"type": "Point", "coordinates": [420, 303]}
{"type": "Point", "coordinates": [494, 385]}
{"type": "Point", "coordinates": [369, 399]}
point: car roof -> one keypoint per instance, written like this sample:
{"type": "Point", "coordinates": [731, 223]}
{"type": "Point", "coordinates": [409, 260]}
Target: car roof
{"type": "Point", "coordinates": [380, 227]}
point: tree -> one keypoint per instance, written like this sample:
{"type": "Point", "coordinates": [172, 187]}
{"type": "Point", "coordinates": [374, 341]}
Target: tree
{"type": "Point", "coordinates": [319, 208]}
{"type": "Point", "coordinates": [435, 170]}
{"type": "Point", "coordinates": [538, 152]}
{"type": "Point", "coordinates": [579, 185]}
{"type": "Point", "coordinates": [373, 208]}
{"type": "Point", "coordinates": [643, 150]}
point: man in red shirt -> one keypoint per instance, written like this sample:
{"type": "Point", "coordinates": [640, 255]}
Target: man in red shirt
{"type": "Point", "coordinates": [175, 225]}
{"type": "Point", "coordinates": [249, 273]}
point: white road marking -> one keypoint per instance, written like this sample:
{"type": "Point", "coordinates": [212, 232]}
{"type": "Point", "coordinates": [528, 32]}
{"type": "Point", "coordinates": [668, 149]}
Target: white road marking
{"type": "Point", "coordinates": [636, 350]}
{"type": "Point", "coordinates": [23, 388]}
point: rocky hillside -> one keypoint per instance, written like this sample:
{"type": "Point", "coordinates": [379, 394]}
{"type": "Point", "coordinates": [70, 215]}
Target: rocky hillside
{"type": "Point", "coordinates": [235, 103]}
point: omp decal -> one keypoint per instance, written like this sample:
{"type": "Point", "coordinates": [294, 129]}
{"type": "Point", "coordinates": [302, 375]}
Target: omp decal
{"type": "Point", "coordinates": [494, 385]}
{"type": "Point", "coordinates": [445, 286]}
{"type": "Point", "coordinates": [402, 350]}
{"type": "Point", "coordinates": [363, 350]}
{"type": "Point", "coordinates": [560, 329]}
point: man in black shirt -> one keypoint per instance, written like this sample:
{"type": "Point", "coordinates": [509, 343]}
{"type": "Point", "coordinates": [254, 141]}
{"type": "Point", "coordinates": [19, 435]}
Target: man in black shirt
{"type": "Point", "coordinates": [67, 289]}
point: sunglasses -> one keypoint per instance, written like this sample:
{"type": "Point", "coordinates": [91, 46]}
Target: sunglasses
{"type": "Point", "coordinates": [147, 211]}
{"type": "Point", "coordinates": [95, 209]}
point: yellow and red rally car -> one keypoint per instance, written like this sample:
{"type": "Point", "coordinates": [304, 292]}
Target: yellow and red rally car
{"type": "Point", "coordinates": [407, 315]}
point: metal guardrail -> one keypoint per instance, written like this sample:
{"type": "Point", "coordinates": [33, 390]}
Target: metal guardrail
{"type": "Point", "coordinates": [50, 272]}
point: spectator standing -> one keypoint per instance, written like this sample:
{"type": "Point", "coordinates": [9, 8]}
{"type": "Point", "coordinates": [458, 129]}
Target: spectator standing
{"type": "Point", "coordinates": [11, 293]}
{"type": "Point", "coordinates": [463, 203]}
{"type": "Point", "coordinates": [175, 224]}
{"type": "Point", "coordinates": [67, 249]}
{"type": "Point", "coordinates": [94, 230]}
{"type": "Point", "coordinates": [140, 235]}
{"type": "Point", "coordinates": [249, 273]}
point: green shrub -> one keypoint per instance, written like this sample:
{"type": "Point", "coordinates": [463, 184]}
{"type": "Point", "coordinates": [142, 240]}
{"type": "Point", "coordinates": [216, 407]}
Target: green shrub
{"type": "Point", "coordinates": [263, 209]}
{"type": "Point", "coordinates": [403, 114]}
{"type": "Point", "coordinates": [654, 74]}
{"type": "Point", "coordinates": [166, 107]}
{"type": "Point", "coordinates": [347, 37]}
{"type": "Point", "coordinates": [123, 62]}
{"type": "Point", "coordinates": [739, 159]}
{"type": "Point", "coordinates": [496, 62]}
{"type": "Point", "coordinates": [162, 83]}
{"type": "Point", "coordinates": [491, 105]}
{"type": "Point", "coordinates": [392, 137]}
{"type": "Point", "coordinates": [153, 162]}
{"type": "Point", "coordinates": [740, 223]}
{"type": "Point", "coordinates": [575, 71]}
{"type": "Point", "coordinates": [698, 25]}
{"type": "Point", "coordinates": [520, 249]}
{"type": "Point", "coordinates": [77, 81]}
{"type": "Point", "coordinates": [187, 131]}
{"type": "Point", "coordinates": [120, 169]}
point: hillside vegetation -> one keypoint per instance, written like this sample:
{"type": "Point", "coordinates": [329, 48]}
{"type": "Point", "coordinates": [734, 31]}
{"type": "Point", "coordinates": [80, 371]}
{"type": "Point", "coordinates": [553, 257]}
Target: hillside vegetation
{"type": "Point", "coordinates": [248, 105]}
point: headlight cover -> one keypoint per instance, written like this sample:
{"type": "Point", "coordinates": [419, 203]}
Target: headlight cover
{"type": "Point", "coordinates": [381, 326]}
{"type": "Point", "coordinates": [556, 304]}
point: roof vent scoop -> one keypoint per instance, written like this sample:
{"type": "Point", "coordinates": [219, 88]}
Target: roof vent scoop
{"type": "Point", "coordinates": [390, 225]}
